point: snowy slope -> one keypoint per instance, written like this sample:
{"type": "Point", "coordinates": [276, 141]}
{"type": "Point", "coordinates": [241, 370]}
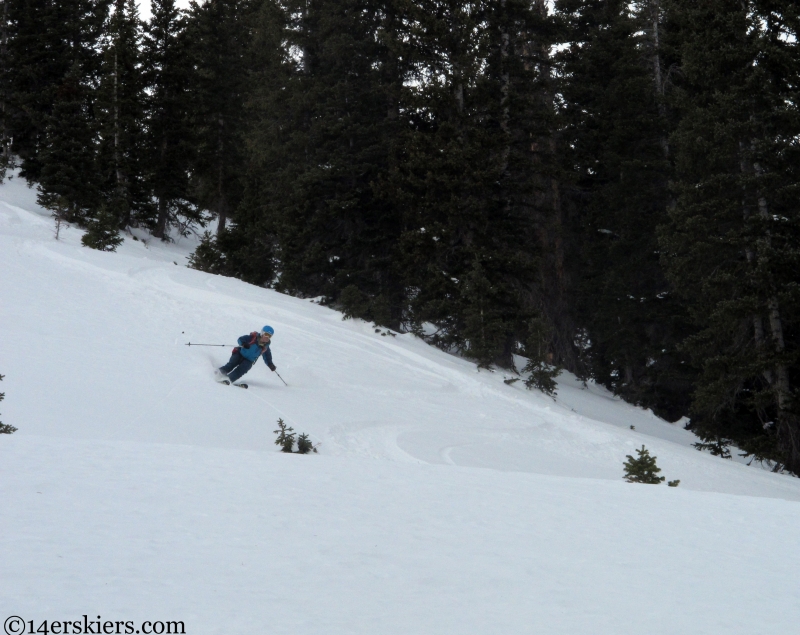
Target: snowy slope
{"type": "Point", "coordinates": [137, 488]}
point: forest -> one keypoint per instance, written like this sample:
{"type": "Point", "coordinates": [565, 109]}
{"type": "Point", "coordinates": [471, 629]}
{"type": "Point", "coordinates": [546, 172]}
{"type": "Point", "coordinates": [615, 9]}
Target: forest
{"type": "Point", "coordinates": [609, 188]}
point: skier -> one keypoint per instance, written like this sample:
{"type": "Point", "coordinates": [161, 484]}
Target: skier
{"type": "Point", "coordinates": [250, 348]}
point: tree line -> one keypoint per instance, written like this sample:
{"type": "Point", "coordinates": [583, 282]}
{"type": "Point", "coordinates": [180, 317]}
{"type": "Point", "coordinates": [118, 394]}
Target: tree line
{"type": "Point", "coordinates": [604, 186]}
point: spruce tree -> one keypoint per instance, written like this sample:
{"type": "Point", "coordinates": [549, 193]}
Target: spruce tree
{"type": "Point", "coordinates": [102, 230]}
{"type": "Point", "coordinates": [219, 33]}
{"type": "Point", "coordinates": [67, 160]}
{"type": "Point", "coordinates": [539, 367]}
{"type": "Point", "coordinates": [36, 61]}
{"type": "Point", "coordinates": [477, 177]}
{"type": "Point", "coordinates": [614, 143]}
{"type": "Point", "coordinates": [5, 92]}
{"type": "Point", "coordinates": [643, 469]}
{"type": "Point", "coordinates": [285, 436]}
{"type": "Point", "coordinates": [53, 54]}
{"type": "Point", "coordinates": [731, 244]}
{"type": "Point", "coordinates": [4, 427]}
{"type": "Point", "coordinates": [304, 444]}
{"type": "Point", "coordinates": [319, 152]}
{"type": "Point", "coordinates": [169, 140]}
{"type": "Point", "coordinates": [448, 174]}
{"type": "Point", "coordinates": [120, 111]}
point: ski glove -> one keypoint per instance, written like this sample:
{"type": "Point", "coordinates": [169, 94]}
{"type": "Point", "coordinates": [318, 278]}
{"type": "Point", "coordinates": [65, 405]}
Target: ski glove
{"type": "Point", "coordinates": [273, 368]}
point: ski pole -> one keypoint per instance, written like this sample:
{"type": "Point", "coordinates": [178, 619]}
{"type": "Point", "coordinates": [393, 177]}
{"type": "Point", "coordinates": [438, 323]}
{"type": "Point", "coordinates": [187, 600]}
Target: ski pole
{"type": "Point", "coordinates": [223, 345]}
{"type": "Point", "coordinates": [281, 378]}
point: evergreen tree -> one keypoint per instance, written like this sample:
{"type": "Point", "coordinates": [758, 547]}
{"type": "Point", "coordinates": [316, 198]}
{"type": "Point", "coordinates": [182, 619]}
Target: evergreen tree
{"type": "Point", "coordinates": [643, 469]}
{"type": "Point", "coordinates": [540, 369]}
{"type": "Point", "coordinates": [319, 149]}
{"type": "Point", "coordinates": [67, 161]}
{"type": "Point", "coordinates": [4, 427]}
{"type": "Point", "coordinates": [614, 142]}
{"type": "Point", "coordinates": [5, 92]}
{"type": "Point", "coordinates": [304, 444]}
{"type": "Point", "coordinates": [219, 33]}
{"type": "Point", "coordinates": [53, 60]}
{"type": "Point", "coordinates": [247, 247]}
{"type": "Point", "coordinates": [120, 111]}
{"type": "Point", "coordinates": [103, 230]}
{"type": "Point", "coordinates": [476, 172]}
{"type": "Point", "coordinates": [285, 436]}
{"type": "Point", "coordinates": [731, 244]}
{"type": "Point", "coordinates": [169, 139]}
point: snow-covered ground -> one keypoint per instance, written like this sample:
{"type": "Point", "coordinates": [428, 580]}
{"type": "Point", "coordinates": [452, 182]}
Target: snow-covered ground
{"type": "Point", "coordinates": [441, 501]}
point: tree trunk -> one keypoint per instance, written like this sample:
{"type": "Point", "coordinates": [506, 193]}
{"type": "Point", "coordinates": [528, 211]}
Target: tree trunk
{"type": "Point", "coordinates": [778, 376]}
{"type": "Point", "coordinates": [655, 15]}
{"type": "Point", "coordinates": [6, 156]}
{"type": "Point", "coordinates": [222, 205]}
{"type": "Point", "coordinates": [163, 215]}
{"type": "Point", "coordinates": [505, 114]}
{"type": "Point", "coordinates": [125, 216]}
{"type": "Point", "coordinates": [163, 209]}
{"type": "Point", "coordinates": [782, 385]}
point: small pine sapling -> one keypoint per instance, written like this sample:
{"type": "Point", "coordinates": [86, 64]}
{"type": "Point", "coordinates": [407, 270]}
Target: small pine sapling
{"type": "Point", "coordinates": [716, 446]}
{"type": "Point", "coordinates": [304, 445]}
{"type": "Point", "coordinates": [642, 469]}
{"type": "Point", "coordinates": [103, 231]}
{"type": "Point", "coordinates": [4, 428]}
{"type": "Point", "coordinates": [541, 373]}
{"type": "Point", "coordinates": [354, 303]}
{"type": "Point", "coordinates": [285, 438]}
{"type": "Point", "coordinates": [674, 483]}
{"type": "Point", "coordinates": [207, 257]}
{"type": "Point", "coordinates": [60, 208]}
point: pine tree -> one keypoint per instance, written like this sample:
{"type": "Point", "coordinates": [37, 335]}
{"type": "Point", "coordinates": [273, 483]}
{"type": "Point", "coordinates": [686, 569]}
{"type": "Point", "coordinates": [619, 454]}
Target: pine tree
{"type": "Point", "coordinates": [52, 57]}
{"type": "Point", "coordinates": [169, 140]}
{"type": "Point", "coordinates": [539, 367]}
{"type": "Point", "coordinates": [285, 436]}
{"type": "Point", "coordinates": [120, 111]}
{"type": "Point", "coordinates": [319, 152]}
{"type": "Point", "coordinates": [614, 140]}
{"type": "Point", "coordinates": [304, 444]}
{"type": "Point", "coordinates": [103, 230]}
{"type": "Point", "coordinates": [449, 166]}
{"type": "Point", "coordinates": [67, 161]}
{"type": "Point", "coordinates": [207, 256]}
{"type": "Point", "coordinates": [731, 244]}
{"type": "Point", "coordinates": [5, 92]}
{"type": "Point", "coordinates": [477, 175]}
{"type": "Point", "coordinates": [4, 427]}
{"type": "Point", "coordinates": [36, 60]}
{"type": "Point", "coordinates": [643, 469]}
{"type": "Point", "coordinates": [219, 33]}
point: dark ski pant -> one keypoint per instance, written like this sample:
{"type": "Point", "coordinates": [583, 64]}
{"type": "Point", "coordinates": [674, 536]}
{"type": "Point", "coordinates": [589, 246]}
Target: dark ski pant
{"type": "Point", "coordinates": [236, 366]}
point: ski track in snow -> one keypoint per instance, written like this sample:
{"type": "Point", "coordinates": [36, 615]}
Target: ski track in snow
{"type": "Point", "coordinates": [441, 501]}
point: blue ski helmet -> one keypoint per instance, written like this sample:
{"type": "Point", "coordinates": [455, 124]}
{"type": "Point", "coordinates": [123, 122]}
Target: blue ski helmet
{"type": "Point", "coordinates": [268, 329]}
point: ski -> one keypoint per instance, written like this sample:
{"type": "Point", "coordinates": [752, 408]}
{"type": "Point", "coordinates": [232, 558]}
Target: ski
{"type": "Point", "coordinates": [227, 382]}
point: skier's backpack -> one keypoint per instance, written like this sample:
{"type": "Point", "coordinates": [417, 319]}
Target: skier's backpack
{"type": "Point", "coordinates": [253, 338]}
